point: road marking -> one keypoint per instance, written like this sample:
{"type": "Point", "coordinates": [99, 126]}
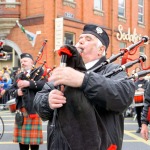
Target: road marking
{"type": "Point", "coordinates": [137, 138]}
{"type": "Point", "coordinates": [131, 141]}
{"type": "Point", "coordinates": [130, 123]}
{"type": "Point", "coordinates": [11, 132]}
{"type": "Point", "coordinates": [2, 143]}
{"type": "Point", "coordinates": [8, 120]}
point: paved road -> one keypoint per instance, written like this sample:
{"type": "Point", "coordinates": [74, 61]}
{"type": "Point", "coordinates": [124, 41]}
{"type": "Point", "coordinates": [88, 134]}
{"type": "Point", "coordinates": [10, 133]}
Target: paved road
{"type": "Point", "coordinates": [6, 141]}
{"type": "Point", "coordinates": [132, 140]}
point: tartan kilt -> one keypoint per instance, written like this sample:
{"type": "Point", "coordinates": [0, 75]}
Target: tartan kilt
{"type": "Point", "coordinates": [30, 132]}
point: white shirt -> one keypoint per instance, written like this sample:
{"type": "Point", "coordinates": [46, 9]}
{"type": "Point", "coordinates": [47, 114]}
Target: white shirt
{"type": "Point", "coordinates": [91, 64]}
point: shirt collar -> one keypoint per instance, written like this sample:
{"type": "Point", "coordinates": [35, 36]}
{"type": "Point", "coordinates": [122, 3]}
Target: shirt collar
{"type": "Point", "coordinates": [91, 64]}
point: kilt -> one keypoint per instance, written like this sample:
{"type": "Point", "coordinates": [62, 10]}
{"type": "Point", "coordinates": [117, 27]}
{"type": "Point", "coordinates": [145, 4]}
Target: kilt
{"type": "Point", "coordinates": [30, 132]}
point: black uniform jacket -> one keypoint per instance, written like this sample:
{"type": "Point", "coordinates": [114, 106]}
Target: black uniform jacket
{"type": "Point", "coordinates": [92, 117]}
{"type": "Point", "coordinates": [28, 93]}
{"type": "Point", "coordinates": [146, 107]}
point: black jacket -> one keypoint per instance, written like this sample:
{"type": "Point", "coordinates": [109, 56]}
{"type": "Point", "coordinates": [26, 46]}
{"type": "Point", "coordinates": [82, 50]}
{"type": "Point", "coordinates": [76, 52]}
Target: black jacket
{"type": "Point", "coordinates": [92, 117]}
{"type": "Point", "coordinates": [28, 93]}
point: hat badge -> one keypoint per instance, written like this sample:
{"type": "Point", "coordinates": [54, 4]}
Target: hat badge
{"type": "Point", "coordinates": [99, 30]}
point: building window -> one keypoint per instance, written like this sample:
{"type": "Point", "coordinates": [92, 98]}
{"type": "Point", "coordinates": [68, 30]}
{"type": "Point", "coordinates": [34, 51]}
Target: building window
{"type": "Point", "coordinates": [69, 38]}
{"type": "Point", "coordinates": [70, 3]}
{"type": "Point", "coordinates": [141, 11]}
{"type": "Point", "coordinates": [98, 4]}
{"type": "Point", "coordinates": [70, 0]}
{"type": "Point", "coordinates": [142, 50]}
{"type": "Point", "coordinates": [122, 45]}
{"type": "Point", "coordinates": [121, 8]}
{"type": "Point", "coordinates": [10, 1]}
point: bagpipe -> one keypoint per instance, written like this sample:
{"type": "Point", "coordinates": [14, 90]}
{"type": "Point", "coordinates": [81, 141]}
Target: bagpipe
{"type": "Point", "coordinates": [71, 57]}
{"type": "Point", "coordinates": [36, 74]}
{"type": "Point", "coordinates": [41, 70]}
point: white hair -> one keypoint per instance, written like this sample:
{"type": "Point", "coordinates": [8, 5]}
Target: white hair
{"type": "Point", "coordinates": [99, 44]}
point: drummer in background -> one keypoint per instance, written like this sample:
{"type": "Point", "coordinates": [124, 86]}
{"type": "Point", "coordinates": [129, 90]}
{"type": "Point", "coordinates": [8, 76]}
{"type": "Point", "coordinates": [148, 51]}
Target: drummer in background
{"type": "Point", "coordinates": [140, 85]}
{"type": "Point", "coordinates": [23, 90]}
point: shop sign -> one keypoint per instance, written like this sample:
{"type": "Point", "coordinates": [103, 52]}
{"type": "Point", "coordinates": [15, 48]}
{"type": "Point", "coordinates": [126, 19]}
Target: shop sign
{"type": "Point", "coordinates": [69, 15]}
{"type": "Point", "coordinates": [58, 33]}
{"type": "Point", "coordinates": [131, 37]}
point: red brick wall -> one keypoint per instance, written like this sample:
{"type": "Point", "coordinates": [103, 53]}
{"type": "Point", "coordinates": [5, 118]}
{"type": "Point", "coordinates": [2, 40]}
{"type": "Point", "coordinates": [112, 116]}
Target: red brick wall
{"type": "Point", "coordinates": [83, 13]}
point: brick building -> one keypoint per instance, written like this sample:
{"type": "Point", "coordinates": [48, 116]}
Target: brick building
{"type": "Point", "coordinates": [61, 21]}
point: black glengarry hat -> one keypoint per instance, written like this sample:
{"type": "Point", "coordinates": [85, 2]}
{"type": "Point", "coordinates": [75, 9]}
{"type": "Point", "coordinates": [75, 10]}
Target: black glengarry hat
{"type": "Point", "coordinates": [98, 32]}
{"type": "Point", "coordinates": [23, 55]}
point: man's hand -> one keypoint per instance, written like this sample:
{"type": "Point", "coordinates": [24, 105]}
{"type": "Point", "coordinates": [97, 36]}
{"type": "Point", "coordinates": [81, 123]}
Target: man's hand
{"type": "Point", "coordinates": [23, 83]}
{"type": "Point", "coordinates": [67, 76]}
{"type": "Point", "coordinates": [56, 99]}
{"type": "Point", "coordinates": [144, 131]}
{"type": "Point", "coordinates": [3, 92]}
{"type": "Point", "coordinates": [19, 92]}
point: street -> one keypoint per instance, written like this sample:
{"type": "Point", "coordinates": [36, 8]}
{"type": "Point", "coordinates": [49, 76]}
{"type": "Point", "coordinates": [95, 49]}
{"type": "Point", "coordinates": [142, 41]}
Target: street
{"type": "Point", "coordinates": [132, 140]}
{"type": "Point", "coordinates": [6, 141]}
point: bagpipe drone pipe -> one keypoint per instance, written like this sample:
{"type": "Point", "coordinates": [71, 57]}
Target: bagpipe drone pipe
{"type": "Point", "coordinates": [127, 51]}
{"type": "Point", "coordinates": [130, 50]}
{"type": "Point", "coordinates": [35, 71]}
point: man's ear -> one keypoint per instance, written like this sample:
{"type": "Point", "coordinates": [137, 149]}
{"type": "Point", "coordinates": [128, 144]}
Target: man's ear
{"type": "Point", "coordinates": [101, 50]}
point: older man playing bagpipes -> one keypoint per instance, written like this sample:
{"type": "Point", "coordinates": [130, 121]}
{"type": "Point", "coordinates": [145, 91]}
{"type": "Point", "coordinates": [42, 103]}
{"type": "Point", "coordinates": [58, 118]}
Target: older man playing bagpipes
{"type": "Point", "coordinates": [28, 125]}
{"type": "Point", "coordinates": [84, 108]}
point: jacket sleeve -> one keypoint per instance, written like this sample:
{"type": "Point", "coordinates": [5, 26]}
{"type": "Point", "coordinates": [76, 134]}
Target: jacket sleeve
{"type": "Point", "coordinates": [37, 85]}
{"type": "Point", "coordinates": [41, 104]}
{"type": "Point", "coordinates": [144, 118]}
{"type": "Point", "coordinates": [111, 93]}
{"type": "Point", "coordinates": [13, 90]}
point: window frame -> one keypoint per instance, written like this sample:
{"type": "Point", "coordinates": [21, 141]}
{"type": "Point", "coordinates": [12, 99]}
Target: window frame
{"type": "Point", "coordinates": [100, 6]}
{"type": "Point", "coordinates": [10, 1]}
{"type": "Point", "coordinates": [142, 50]}
{"type": "Point", "coordinates": [124, 8]}
{"type": "Point", "coordinates": [70, 0]}
{"type": "Point", "coordinates": [139, 13]}
{"type": "Point", "coordinates": [73, 37]}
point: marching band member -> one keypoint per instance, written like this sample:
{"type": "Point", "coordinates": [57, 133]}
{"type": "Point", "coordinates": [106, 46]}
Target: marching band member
{"type": "Point", "coordinates": [90, 118]}
{"type": "Point", "coordinates": [28, 127]}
